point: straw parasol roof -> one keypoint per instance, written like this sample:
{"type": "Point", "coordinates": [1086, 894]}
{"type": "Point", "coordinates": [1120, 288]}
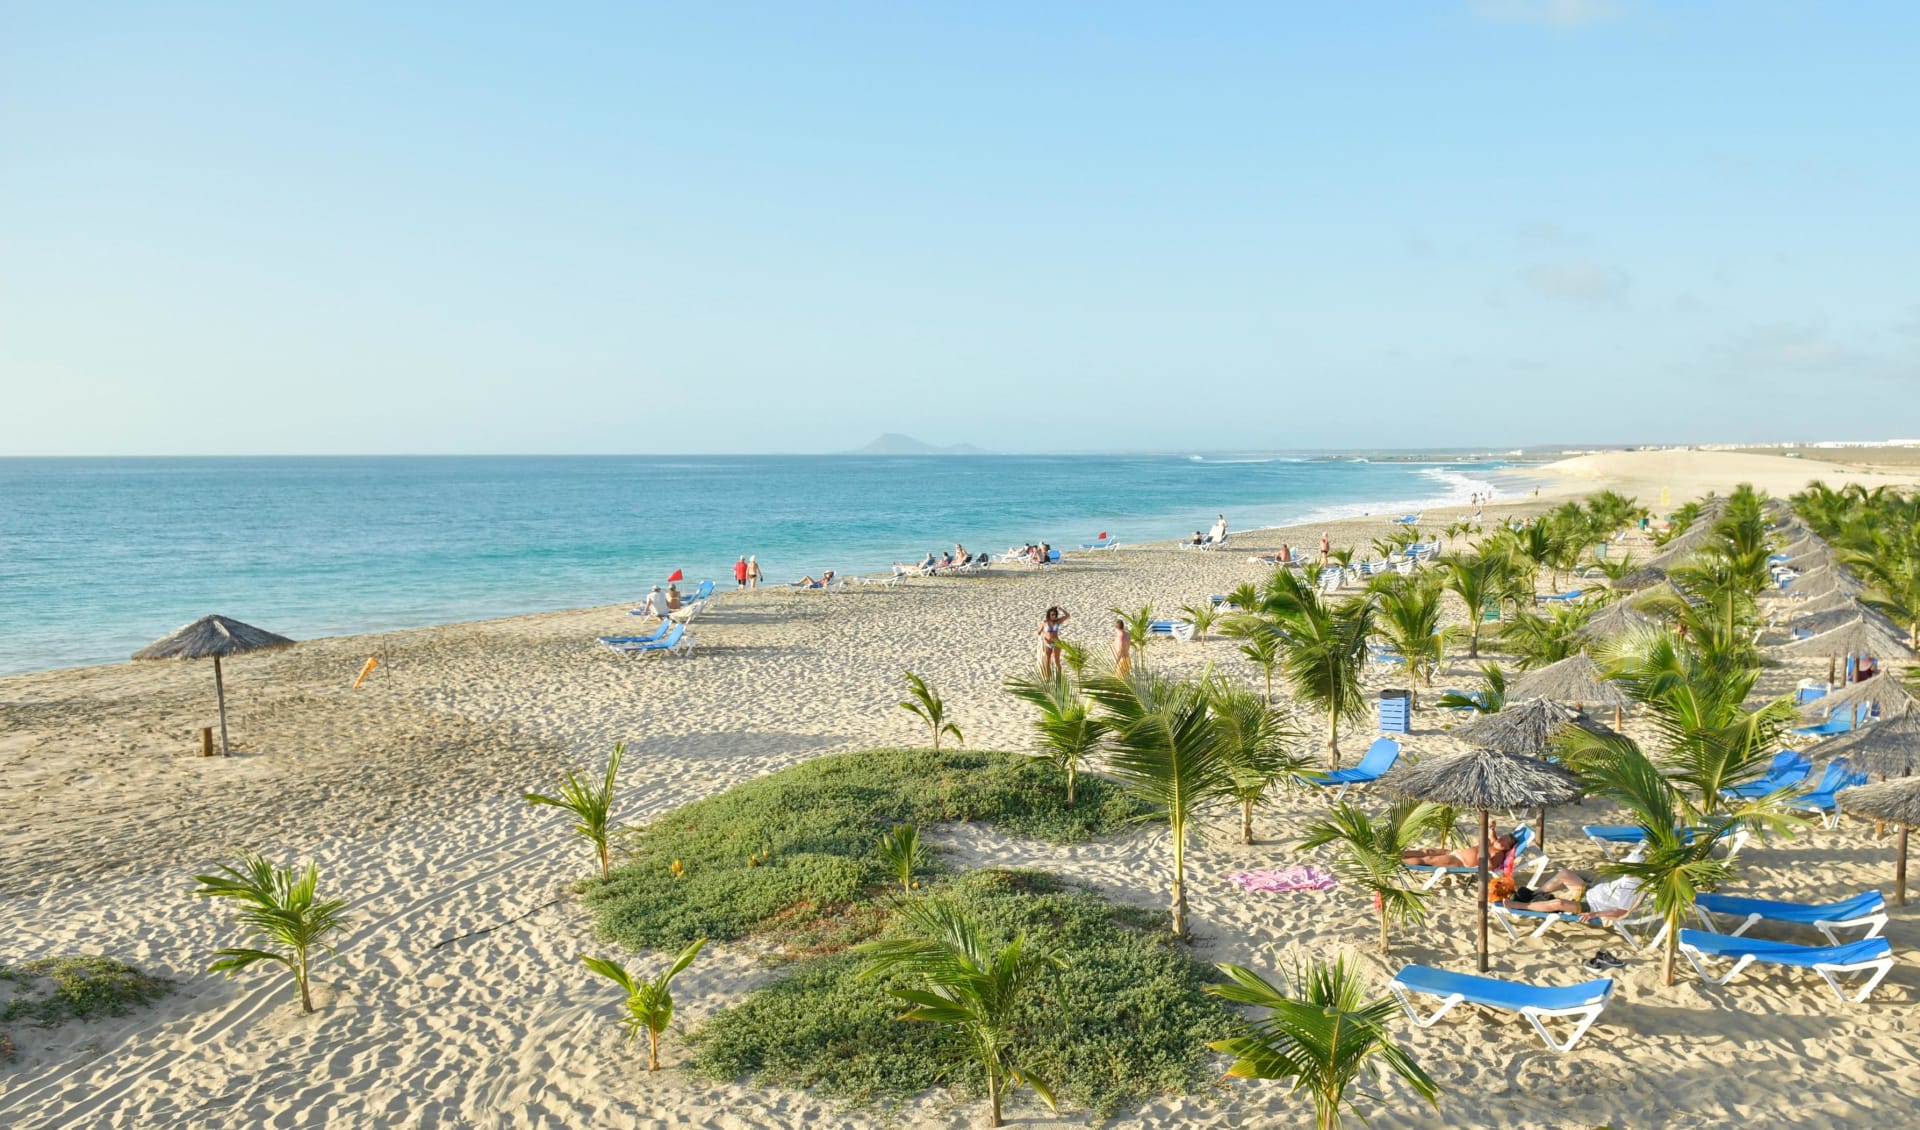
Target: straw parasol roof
{"type": "Point", "coordinates": [1826, 602]}
{"type": "Point", "coordinates": [1832, 618]}
{"type": "Point", "coordinates": [1860, 636]}
{"type": "Point", "coordinates": [1485, 779]}
{"type": "Point", "coordinates": [1883, 690]}
{"type": "Point", "coordinates": [1887, 748]}
{"type": "Point", "coordinates": [210, 636]}
{"type": "Point", "coordinates": [1610, 621]}
{"type": "Point", "coordinates": [213, 637]}
{"type": "Point", "coordinates": [1640, 578]}
{"type": "Point", "coordinates": [1575, 679]}
{"type": "Point", "coordinates": [1896, 802]}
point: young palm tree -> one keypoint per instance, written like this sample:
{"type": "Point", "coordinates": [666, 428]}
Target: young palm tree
{"type": "Point", "coordinates": [903, 853]}
{"type": "Point", "coordinates": [971, 986]}
{"type": "Point", "coordinates": [1325, 1039]}
{"type": "Point", "coordinates": [1326, 647]}
{"type": "Point", "coordinates": [591, 805]}
{"type": "Point", "coordinates": [1539, 640]}
{"type": "Point", "coordinates": [1202, 615]}
{"type": "Point", "coordinates": [1257, 741]}
{"type": "Point", "coordinates": [1367, 854]}
{"type": "Point", "coordinates": [1166, 748]}
{"type": "Point", "coordinates": [1261, 645]}
{"type": "Point", "coordinates": [1475, 578]}
{"type": "Point", "coordinates": [649, 1003]}
{"type": "Point", "coordinates": [1068, 732]}
{"type": "Point", "coordinates": [279, 910]}
{"type": "Point", "coordinates": [1410, 621]}
{"type": "Point", "coordinates": [927, 705]}
{"type": "Point", "coordinates": [1492, 697]}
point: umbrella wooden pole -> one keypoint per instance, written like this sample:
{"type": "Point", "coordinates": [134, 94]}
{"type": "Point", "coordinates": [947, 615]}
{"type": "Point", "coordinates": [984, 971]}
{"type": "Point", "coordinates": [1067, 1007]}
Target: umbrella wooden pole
{"type": "Point", "coordinates": [1540, 837]}
{"type": "Point", "coordinates": [220, 693]}
{"type": "Point", "coordinates": [1900, 870]}
{"type": "Point", "coordinates": [1483, 890]}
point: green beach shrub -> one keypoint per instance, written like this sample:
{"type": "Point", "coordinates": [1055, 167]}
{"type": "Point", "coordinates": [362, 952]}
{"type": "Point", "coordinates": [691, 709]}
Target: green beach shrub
{"type": "Point", "coordinates": [53, 990]}
{"type": "Point", "coordinates": [795, 849]}
{"type": "Point", "coordinates": [1122, 1016]}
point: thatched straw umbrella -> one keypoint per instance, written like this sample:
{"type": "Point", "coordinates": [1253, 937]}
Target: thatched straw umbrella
{"type": "Point", "coordinates": [1827, 621]}
{"type": "Point", "coordinates": [1887, 748]}
{"type": "Point", "coordinates": [1892, 802]}
{"type": "Point", "coordinates": [1826, 602]}
{"type": "Point", "coordinates": [1640, 578]}
{"type": "Point", "coordinates": [1612, 620]}
{"type": "Point", "coordinates": [1483, 780]}
{"type": "Point", "coordinates": [1859, 636]}
{"type": "Point", "coordinates": [1576, 680]}
{"type": "Point", "coordinates": [1526, 729]}
{"type": "Point", "coordinates": [214, 636]}
{"type": "Point", "coordinates": [1883, 690]}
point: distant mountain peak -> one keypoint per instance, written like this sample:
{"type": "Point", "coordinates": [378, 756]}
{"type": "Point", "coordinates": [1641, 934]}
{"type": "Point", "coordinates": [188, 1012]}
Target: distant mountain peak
{"type": "Point", "coordinates": [893, 443]}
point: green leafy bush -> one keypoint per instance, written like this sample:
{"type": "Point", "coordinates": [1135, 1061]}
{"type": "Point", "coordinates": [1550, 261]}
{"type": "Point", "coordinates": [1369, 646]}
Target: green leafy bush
{"type": "Point", "coordinates": [56, 989]}
{"type": "Point", "coordinates": [795, 847]}
{"type": "Point", "coordinates": [1124, 1016]}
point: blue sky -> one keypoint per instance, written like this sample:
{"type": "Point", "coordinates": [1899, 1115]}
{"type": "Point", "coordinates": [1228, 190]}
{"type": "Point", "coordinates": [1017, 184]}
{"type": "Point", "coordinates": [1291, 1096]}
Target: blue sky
{"type": "Point", "coordinates": [504, 228]}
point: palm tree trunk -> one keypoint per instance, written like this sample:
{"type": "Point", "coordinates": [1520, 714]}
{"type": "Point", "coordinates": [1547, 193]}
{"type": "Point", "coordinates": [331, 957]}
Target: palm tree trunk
{"type": "Point", "coordinates": [1069, 784]}
{"type": "Point", "coordinates": [1333, 737]}
{"type": "Point", "coordinates": [1383, 926]}
{"type": "Point", "coordinates": [1246, 821]}
{"type": "Point", "coordinates": [1179, 881]}
{"type": "Point", "coordinates": [606, 866]}
{"type": "Point", "coordinates": [653, 1050]}
{"type": "Point", "coordinates": [300, 975]}
{"type": "Point", "coordinates": [993, 1098]}
{"type": "Point", "coordinates": [1666, 955]}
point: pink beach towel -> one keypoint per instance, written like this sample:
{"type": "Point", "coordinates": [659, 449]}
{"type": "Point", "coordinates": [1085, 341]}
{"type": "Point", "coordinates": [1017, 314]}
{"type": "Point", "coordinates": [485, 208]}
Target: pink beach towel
{"type": "Point", "coordinates": [1301, 878]}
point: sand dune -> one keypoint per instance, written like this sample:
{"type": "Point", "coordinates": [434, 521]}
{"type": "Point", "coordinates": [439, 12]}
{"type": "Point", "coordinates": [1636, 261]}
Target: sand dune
{"type": "Point", "coordinates": [406, 794]}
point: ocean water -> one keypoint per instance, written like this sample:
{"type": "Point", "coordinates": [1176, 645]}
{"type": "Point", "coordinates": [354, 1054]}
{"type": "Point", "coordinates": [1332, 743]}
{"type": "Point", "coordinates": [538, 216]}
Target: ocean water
{"type": "Point", "coordinates": [100, 556]}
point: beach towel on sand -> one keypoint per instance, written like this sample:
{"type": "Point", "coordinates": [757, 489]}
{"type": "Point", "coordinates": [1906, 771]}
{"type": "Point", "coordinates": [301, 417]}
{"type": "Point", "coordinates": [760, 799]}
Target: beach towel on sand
{"type": "Point", "coordinates": [1300, 878]}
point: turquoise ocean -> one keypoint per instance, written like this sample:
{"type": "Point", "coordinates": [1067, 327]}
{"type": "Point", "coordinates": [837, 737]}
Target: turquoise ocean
{"type": "Point", "coordinates": [100, 556]}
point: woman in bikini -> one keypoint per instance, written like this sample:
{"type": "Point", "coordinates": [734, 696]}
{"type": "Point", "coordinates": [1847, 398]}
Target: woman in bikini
{"type": "Point", "coordinates": [1050, 626]}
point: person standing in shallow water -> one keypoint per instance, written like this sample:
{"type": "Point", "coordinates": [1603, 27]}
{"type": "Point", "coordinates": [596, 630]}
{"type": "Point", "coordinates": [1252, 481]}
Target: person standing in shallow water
{"type": "Point", "coordinates": [1122, 649]}
{"type": "Point", "coordinates": [1050, 626]}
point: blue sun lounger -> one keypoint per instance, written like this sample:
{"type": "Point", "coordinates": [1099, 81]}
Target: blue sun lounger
{"type": "Point", "coordinates": [1867, 909]}
{"type": "Point", "coordinates": [623, 643]}
{"type": "Point", "coordinates": [1821, 800]}
{"type": "Point", "coordinates": [1380, 757]}
{"type": "Point", "coordinates": [1873, 956]}
{"type": "Point", "coordinates": [1177, 629]}
{"type": "Point", "coordinates": [1581, 1003]}
{"type": "Point", "coordinates": [1567, 597]}
{"type": "Point", "coordinates": [1788, 769]}
{"type": "Point", "coordinates": [675, 642]}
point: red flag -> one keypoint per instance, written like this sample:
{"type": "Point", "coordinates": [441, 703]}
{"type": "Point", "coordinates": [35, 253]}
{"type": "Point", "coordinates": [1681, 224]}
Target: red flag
{"type": "Point", "coordinates": [677, 575]}
{"type": "Point", "coordinates": [1102, 537]}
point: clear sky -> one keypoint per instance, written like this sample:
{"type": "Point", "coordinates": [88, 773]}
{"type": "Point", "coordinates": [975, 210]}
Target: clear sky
{"type": "Point", "coordinates": [345, 228]}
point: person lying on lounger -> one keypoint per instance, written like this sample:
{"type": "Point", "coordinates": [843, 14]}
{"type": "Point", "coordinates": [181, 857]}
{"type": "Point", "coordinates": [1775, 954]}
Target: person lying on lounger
{"type": "Point", "coordinates": [1593, 902]}
{"type": "Point", "coordinates": [1468, 856]}
{"type": "Point", "coordinates": [826, 579]}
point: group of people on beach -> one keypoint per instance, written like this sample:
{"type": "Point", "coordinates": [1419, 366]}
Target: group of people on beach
{"type": "Point", "coordinates": [746, 572]}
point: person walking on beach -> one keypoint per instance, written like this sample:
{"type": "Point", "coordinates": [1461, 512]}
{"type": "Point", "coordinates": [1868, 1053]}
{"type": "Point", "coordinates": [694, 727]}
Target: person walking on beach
{"type": "Point", "coordinates": [740, 573]}
{"type": "Point", "coordinates": [1326, 549]}
{"type": "Point", "coordinates": [753, 571]}
{"type": "Point", "coordinates": [1050, 626]}
{"type": "Point", "coordinates": [1122, 649]}
{"type": "Point", "coordinates": [1220, 529]}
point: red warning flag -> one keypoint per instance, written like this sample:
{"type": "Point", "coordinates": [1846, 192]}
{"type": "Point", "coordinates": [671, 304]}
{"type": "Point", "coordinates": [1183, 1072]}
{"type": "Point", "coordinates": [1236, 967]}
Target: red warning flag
{"type": "Point", "coordinates": [676, 575]}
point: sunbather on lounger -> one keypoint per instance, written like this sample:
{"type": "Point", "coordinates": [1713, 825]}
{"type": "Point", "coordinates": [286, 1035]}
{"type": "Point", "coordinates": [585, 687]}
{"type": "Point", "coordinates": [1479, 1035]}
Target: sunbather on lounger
{"type": "Point", "coordinates": [826, 579]}
{"type": "Point", "coordinates": [1468, 856]}
{"type": "Point", "coordinates": [1598, 902]}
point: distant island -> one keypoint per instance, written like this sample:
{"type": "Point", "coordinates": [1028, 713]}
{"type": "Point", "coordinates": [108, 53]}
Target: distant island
{"type": "Point", "coordinates": [893, 443]}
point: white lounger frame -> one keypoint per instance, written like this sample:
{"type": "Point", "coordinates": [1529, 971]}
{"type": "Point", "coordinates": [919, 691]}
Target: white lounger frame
{"type": "Point", "coordinates": [1831, 974]}
{"type": "Point", "coordinates": [1587, 1014]}
{"type": "Point", "coordinates": [1873, 922]}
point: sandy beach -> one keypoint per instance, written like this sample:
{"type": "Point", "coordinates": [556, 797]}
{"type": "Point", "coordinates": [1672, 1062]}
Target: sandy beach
{"type": "Point", "coordinates": [406, 792]}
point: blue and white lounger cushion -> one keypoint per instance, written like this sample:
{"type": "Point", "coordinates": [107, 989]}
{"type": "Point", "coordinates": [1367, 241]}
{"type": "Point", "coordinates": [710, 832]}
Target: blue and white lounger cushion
{"type": "Point", "coordinates": [1867, 910]}
{"type": "Point", "coordinates": [1581, 1003]}
{"type": "Point", "coordinates": [1872, 956]}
